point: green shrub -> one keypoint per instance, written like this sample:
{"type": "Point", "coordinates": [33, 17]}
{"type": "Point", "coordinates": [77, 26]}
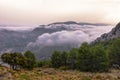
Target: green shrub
{"type": "Point", "coordinates": [92, 58]}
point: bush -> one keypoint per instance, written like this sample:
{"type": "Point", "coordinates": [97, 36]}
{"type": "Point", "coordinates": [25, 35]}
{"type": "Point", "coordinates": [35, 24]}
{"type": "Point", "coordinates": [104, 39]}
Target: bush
{"type": "Point", "coordinates": [114, 52]}
{"type": "Point", "coordinates": [18, 60]}
{"type": "Point", "coordinates": [56, 59]}
{"type": "Point", "coordinates": [84, 58]}
{"type": "Point", "coordinates": [30, 59]}
{"type": "Point", "coordinates": [100, 59]}
{"type": "Point", "coordinates": [92, 58]}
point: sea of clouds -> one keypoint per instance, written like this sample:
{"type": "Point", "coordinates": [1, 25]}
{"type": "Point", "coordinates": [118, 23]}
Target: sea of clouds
{"type": "Point", "coordinates": [72, 37]}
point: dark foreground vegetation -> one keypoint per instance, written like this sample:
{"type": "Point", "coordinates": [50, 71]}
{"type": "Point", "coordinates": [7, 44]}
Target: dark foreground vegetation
{"type": "Point", "coordinates": [97, 57]}
{"type": "Point", "coordinates": [19, 61]}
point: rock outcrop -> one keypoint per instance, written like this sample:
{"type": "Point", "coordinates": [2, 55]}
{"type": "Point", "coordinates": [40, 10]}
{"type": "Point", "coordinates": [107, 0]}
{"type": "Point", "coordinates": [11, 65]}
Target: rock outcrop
{"type": "Point", "coordinates": [114, 33]}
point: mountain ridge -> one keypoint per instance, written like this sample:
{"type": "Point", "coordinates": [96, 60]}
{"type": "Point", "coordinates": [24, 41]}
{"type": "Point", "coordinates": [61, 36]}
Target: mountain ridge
{"type": "Point", "coordinates": [79, 23]}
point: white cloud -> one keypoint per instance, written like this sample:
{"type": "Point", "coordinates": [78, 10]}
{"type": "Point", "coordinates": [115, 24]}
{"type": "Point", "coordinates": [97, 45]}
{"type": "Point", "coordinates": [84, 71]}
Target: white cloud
{"type": "Point", "coordinates": [73, 38]}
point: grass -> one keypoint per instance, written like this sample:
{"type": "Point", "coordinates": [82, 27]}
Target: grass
{"type": "Point", "coordinates": [57, 74]}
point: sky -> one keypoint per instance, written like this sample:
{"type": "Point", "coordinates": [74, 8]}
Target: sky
{"type": "Point", "coordinates": [35, 12]}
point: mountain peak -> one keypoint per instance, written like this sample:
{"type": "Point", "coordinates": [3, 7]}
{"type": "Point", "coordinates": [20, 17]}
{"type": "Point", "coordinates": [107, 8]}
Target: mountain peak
{"type": "Point", "coordinates": [67, 22]}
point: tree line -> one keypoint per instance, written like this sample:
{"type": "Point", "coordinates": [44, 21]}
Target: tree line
{"type": "Point", "coordinates": [86, 58]}
{"type": "Point", "coordinates": [100, 56]}
{"type": "Point", "coordinates": [97, 57]}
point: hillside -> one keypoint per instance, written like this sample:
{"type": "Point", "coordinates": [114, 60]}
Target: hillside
{"type": "Point", "coordinates": [55, 74]}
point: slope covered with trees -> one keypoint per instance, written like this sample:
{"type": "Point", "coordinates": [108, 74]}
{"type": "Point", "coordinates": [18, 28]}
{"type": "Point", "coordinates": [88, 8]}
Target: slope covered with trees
{"type": "Point", "coordinates": [100, 56]}
{"type": "Point", "coordinates": [86, 58]}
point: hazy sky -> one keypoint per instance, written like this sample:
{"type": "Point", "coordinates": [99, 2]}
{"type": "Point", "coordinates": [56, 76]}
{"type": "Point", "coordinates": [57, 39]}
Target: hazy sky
{"type": "Point", "coordinates": [47, 11]}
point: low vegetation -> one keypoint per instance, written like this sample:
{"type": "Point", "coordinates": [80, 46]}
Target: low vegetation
{"type": "Point", "coordinates": [56, 74]}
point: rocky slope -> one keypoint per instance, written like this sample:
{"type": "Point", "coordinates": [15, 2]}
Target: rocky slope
{"type": "Point", "coordinates": [114, 33]}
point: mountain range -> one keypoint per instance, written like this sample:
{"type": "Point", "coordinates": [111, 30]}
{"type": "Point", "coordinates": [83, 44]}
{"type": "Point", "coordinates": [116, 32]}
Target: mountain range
{"type": "Point", "coordinates": [44, 39]}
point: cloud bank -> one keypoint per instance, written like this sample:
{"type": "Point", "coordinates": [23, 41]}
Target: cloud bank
{"type": "Point", "coordinates": [74, 38]}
